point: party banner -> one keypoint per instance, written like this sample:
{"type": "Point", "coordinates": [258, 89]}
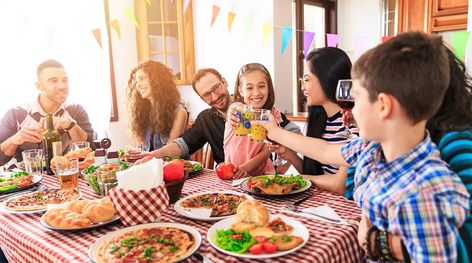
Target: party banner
{"type": "Point", "coordinates": [286, 35]}
{"type": "Point", "coordinates": [307, 40]}
{"type": "Point", "coordinates": [216, 11]}
{"type": "Point", "coordinates": [148, 2]}
{"type": "Point", "coordinates": [360, 45]}
{"type": "Point", "coordinates": [130, 15]}
{"type": "Point", "coordinates": [231, 16]}
{"type": "Point", "coordinates": [266, 29]}
{"type": "Point", "coordinates": [116, 26]}
{"type": "Point", "coordinates": [98, 37]}
{"type": "Point", "coordinates": [386, 38]}
{"type": "Point", "coordinates": [459, 42]}
{"type": "Point", "coordinates": [332, 40]}
{"type": "Point", "coordinates": [186, 3]}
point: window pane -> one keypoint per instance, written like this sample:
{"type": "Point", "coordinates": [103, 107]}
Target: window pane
{"type": "Point", "coordinates": [154, 11]}
{"type": "Point", "coordinates": [170, 10]}
{"type": "Point", "coordinates": [314, 21]}
{"type": "Point", "coordinates": [173, 63]}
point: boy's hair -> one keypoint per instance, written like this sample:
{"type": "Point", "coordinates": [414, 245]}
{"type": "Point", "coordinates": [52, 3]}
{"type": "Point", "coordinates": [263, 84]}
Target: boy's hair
{"type": "Point", "coordinates": [50, 63]}
{"type": "Point", "coordinates": [412, 67]}
{"type": "Point", "coordinates": [203, 72]}
{"type": "Point", "coordinates": [250, 68]}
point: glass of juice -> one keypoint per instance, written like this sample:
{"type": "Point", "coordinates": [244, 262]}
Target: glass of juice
{"type": "Point", "coordinates": [259, 133]}
{"type": "Point", "coordinates": [68, 174]}
{"type": "Point", "coordinates": [243, 112]}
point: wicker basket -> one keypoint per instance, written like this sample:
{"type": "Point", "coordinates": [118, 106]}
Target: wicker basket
{"type": "Point", "coordinates": [174, 189]}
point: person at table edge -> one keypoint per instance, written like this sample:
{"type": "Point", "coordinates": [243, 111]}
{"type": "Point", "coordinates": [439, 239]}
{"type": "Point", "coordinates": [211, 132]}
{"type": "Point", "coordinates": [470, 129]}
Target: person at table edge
{"type": "Point", "coordinates": [209, 125]}
{"type": "Point", "coordinates": [23, 126]}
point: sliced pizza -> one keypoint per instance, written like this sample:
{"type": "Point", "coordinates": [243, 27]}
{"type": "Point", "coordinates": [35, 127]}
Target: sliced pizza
{"type": "Point", "coordinates": [40, 200]}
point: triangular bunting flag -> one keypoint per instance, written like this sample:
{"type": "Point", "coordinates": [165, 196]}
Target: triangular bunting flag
{"type": "Point", "coordinates": [247, 26]}
{"type": "Point", "coordinates": [386, 38]}
{"type": "Point", "coordinates": [332, 40]}
{"type": "Point", "coordinates": [266, 28]}
{"type": "Point", "coordinates": [116, 26]}
{"type": "Point", "coordinates": [231, 16]}
{"type": "Point", "coordinates": [98, 37]}
{"type": "Point", "coordinates": [360, 45]}
{"type": "Point", "coordinates": [186, 3]}
{"type": "Point", "coordinates": [307, 40]}
{"type": "Point", "coordinates": [130, 15]}
{"type": "Point", "coordinates": [216, 12]}
{"type": "Point", "coordinates": [148, 2]}
{"type": "Point", "coordinates": [459, 42]}
{"type": "Point", "coordinates": [286, 35]}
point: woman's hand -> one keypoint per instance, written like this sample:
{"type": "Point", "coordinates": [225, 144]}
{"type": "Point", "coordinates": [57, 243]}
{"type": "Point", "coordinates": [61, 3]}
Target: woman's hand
{"type": "Point", "coordinates": [232, 118]}
{"type": "Point", "coordinates": [348, 118]}
{"type": "Point", "coordinates": [280, 150]}
{"type": "Point", "coordinates": [271, 125]}
{"type": "Point", "coordinates": [364, 226]}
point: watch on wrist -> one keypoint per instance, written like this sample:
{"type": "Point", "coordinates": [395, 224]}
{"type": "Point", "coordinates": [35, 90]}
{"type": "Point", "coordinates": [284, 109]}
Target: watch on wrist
{"type": "Point", "coordinates": [72, 124]}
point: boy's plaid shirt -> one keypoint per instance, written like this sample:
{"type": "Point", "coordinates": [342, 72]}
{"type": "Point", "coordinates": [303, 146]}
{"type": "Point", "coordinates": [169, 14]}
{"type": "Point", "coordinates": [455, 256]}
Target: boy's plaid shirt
{"type": "Point", "coordinates": [414, 196]}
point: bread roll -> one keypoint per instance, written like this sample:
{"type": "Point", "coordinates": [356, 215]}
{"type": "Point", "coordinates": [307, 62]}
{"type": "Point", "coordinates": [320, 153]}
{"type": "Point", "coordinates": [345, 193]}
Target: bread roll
{"type": "Point", "coordinates": [99, 210]}
{"type": "Point", "coordinates": [81, 153]}
{"type": "Point", "coordinates": [251, 211]}
{"type": "Point", "coordinates": [242, 226]}
{"type": "Point", "coordinates": [67, 219]}
{"type": "Point", "coordinates": [77, 205]}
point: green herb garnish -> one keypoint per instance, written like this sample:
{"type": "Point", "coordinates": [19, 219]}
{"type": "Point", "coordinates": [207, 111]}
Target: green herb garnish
{"type": "Point", "coordinates": [148, 253]}
{"type": "Point", "coordinates": [174, 248]}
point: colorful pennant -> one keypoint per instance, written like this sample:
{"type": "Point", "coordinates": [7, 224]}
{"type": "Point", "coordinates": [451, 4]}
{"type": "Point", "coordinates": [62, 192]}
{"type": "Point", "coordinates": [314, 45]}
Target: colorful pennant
{"type": "Point", "coordinates": [286, 35]}
{"type": "Point", "coordinates": [307, 40]}
{"type": "Point", "coordinates": [459, 42]}
{"type": "Point", "coordinates": [386, 38]}
{"type": "Point", "coordinates": [130, 15]}
{"type": "Point", "coordinates": [216, 12]}
{"type": "Point", "coordinates": [148, 2]}
{"type": "Point", "coordinates": [266, 29]}
{"type": "Point", "coordinates": [98, 37]}
{"type": "Point", "coordinates": [231, 16]}
{"type": "Point", "coordinates": [360, 45]}
{"type": "Point", "coordinates": [116, 26]}
{"type": "Point", "coordinates": [332, 40]}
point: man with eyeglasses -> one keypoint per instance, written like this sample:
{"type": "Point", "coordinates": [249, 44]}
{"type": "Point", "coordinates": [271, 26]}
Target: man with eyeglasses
{"type": "Point", "coordinates": [210, 123]}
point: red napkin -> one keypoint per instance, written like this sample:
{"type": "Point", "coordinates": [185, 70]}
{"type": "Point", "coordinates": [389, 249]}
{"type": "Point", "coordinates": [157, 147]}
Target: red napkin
{"type": "Point", "coordinates": [139, 206]}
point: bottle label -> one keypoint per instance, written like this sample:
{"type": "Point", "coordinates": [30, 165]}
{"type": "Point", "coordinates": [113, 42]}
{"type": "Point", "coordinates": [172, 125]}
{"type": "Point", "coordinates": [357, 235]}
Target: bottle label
{"type": "Point", "coordinates": [57, 148]}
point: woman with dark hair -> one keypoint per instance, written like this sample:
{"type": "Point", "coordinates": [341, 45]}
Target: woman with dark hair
{"type": "Point", "coordinates": [324, 67]}
{"type": "Point", "coordinates": [156, 114]}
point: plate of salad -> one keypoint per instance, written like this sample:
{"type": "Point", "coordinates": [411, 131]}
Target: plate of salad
{"type": "Point", "coordinates": [17, 181]}
{"type": "Point", "coordinates": [92, 172]}
{"type": "Point", "coordinates": [275, 185]}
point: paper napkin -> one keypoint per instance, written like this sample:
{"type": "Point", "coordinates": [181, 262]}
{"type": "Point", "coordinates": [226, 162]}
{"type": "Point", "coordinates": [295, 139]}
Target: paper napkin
{"type": "Point", "coordinates": [141, 177]}
{"type": "Point", "coordinates": [324, 210]}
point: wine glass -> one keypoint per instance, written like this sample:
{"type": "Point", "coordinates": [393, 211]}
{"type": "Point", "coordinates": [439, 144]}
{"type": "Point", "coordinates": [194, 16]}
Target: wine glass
{"type": "Point", "coordinates": [345, 101]}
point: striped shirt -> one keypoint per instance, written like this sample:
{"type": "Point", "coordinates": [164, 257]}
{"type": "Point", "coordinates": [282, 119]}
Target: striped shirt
{"type": "Point", "coordinates": [414, 196]}
{"type": "Point", "coordinates": [334, 126]}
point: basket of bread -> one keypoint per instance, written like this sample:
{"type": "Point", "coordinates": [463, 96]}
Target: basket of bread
{"type": "Point", "coordinates": [141, 194]}
{"type": "Point", "coordinates": [80, 215]}
{"type": "Point", "coordinates": [254, 233]}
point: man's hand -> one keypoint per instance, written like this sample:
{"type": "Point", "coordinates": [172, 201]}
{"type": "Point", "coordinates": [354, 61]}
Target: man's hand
{"type": "Point", "coordinates": [32, 134]}
{"type": "Point", "coordinates": [364, 226]}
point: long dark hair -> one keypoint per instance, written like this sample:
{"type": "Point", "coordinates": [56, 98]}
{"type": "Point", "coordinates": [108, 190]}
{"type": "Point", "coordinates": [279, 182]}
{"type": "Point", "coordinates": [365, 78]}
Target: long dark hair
{"type": "Point", "coordinates": [329, 65]}
{"type": "Point", "coordinates": [455, 112]}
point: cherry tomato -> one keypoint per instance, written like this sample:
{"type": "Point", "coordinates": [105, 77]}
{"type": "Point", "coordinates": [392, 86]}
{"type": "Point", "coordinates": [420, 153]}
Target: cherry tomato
{"type": "Point", "coordinates": [250, 185]}
{"type": "Point", "coordinates": [268, 247]}
{"type": "Point", "coordinates": [255, 249]}
{"type": "Point", "coordinates": [24, 184]}
{"type": "Point", "coordinates": [236, 236]}
{"type": "Point", "coordinates": [260, 239]}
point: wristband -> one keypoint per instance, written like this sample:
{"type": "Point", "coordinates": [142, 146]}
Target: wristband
{"type": "Point", "coordinates": [72, 124]}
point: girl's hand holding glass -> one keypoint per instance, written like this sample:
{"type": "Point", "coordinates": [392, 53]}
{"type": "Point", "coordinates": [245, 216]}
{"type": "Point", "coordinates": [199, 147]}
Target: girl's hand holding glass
{"type": "Point", "coordinates": [232, 118]}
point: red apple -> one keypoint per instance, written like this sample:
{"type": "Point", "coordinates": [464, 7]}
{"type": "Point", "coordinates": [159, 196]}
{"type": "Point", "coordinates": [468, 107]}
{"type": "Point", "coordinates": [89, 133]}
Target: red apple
{"type": "Point", "coordinates": [173, 171]}
{"type": "Point", "coordinates": [225, 170]}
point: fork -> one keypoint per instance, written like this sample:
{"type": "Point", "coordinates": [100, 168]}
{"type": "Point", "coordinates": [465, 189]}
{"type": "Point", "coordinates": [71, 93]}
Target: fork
{"type": "Point", "coordinates": [292, 208]}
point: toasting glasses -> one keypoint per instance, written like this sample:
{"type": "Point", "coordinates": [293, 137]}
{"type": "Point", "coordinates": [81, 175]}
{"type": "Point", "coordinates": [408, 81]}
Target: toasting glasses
{"type": "Point", "coordinates": [345, 101]}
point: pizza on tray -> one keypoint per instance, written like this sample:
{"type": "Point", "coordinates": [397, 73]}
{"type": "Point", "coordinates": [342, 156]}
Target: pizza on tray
{"type": "Point", "coordinates": [156, 244]}
{"type": "Point", "coordinates": [221, 204]}
{"type": "Point", "coordinates": [40, 200]}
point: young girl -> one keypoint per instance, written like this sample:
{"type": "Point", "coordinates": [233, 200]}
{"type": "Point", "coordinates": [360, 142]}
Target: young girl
{"type": "Point", "coordinates": [156, 114]}
{"type": "Point", "coordinates": [254, 88]}
{"type": "Point", "coordinates": [324, 67]}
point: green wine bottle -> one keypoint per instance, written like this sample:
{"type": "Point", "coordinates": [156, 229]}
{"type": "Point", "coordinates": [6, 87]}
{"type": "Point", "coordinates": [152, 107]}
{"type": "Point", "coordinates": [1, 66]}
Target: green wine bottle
{"type": "Point", "coordinates": [51, 143]}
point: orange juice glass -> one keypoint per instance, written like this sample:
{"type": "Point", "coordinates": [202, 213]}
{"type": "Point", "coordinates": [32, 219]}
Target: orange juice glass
{"type": "Point", "coordinates": [259, 133]}
{"type": "Point", "coordinates": [243, 112]}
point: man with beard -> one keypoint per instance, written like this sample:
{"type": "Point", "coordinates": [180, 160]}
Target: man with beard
{"type": "Point", "coordinates": [210, 123]}
{"type": "Point", "coordinates": [23, 126]}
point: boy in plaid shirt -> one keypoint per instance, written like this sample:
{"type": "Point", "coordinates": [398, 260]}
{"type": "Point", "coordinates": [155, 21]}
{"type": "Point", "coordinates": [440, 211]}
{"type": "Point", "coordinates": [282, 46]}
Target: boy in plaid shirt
{"type": "Point", "coordinates": [401, 184]}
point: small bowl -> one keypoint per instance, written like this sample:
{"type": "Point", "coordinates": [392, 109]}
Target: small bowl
{"type": "Point", "coordinates": [174, 189]}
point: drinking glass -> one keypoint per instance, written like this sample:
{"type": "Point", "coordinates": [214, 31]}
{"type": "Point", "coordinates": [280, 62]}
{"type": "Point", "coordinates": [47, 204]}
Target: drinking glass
{"type": "Point", "coordinates": [243, 112]}
{"type": "Point", "coordinates": [258, 132]}
{"type": "Point", "coordinates": [345, 101]}
{"type": "Point", "coordinates": [134, 151]}
{"type": "Point", "coordinates": [68, 174]}
{"type": "Point", "coordinates": [79, 145]}
{"type": "Point", "coordinates": [33, 161]}
{"type": "Point", "coordinates": [106, 181]}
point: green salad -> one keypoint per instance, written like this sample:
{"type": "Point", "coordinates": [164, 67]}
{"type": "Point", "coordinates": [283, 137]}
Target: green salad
{"type": "Point", "coordinates": [230, 240]}
{"type": "Point", "coordinates": [277, 179]}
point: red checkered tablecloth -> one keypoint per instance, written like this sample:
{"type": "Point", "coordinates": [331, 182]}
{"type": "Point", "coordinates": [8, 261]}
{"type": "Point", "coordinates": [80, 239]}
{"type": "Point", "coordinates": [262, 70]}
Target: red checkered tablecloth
{"type": "Point", "coordinates": [24, 239]}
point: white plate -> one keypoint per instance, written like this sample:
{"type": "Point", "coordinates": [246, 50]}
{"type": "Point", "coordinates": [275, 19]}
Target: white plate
{"type": "Point", "coordinates": [49, 206]}
{"type": "Point", "coordinates": [298, 229]}
{"type": "Point", "coordinates": [36, 179]}
{"type": "Point", "coordinates": [46, 225]}
{"type": "Point", "coordinates": [245, 188]}
{"type": "Point", "coordinates": [202, 213]}
{"type": "Point", "coordinates": [95, 247]}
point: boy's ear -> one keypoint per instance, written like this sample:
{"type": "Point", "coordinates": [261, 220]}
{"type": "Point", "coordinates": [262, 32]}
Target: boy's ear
{"type": "Point", "coordinates": [385, 103]}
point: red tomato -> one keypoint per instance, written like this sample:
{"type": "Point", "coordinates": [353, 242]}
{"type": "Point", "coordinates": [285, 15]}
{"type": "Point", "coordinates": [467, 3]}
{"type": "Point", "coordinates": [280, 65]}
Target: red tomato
{"type": "Point", "coordinates": [173, 171]}
{"type": "Point", "coordinates": [143, 160]}
{"type": "Point", "coordinates": [260, 239]}
{"type": "Point", "coordinates": [268, 247]}
{"type": "Point", "coordinates": [24, 184]}
{"type": "Point", "coordinates": [225, 171]}
{"type": "Point", "coordinates": [236, 236]}
{"type": "Point", "coordinates": [255, 249]}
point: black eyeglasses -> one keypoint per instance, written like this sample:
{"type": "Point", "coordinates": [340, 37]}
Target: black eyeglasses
{"type": "Point", "coordinates": [252, 66]}
{"type": "Point", "coordinates": [215, 89]}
